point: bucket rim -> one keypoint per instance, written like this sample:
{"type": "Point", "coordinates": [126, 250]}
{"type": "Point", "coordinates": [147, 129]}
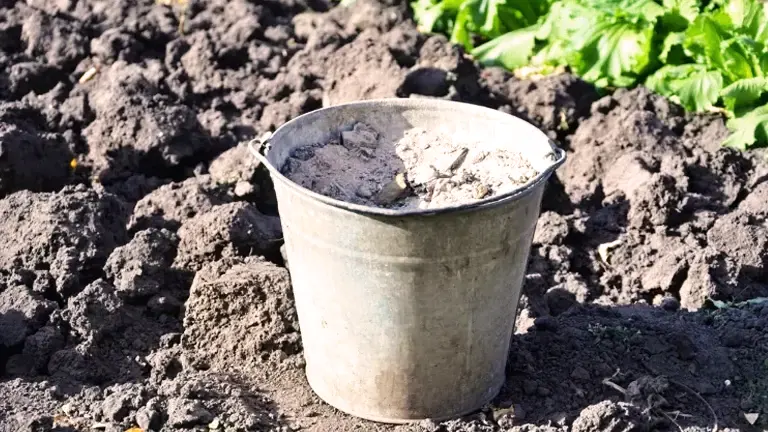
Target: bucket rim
{"type": "Point", "coordinates": [259, 145]}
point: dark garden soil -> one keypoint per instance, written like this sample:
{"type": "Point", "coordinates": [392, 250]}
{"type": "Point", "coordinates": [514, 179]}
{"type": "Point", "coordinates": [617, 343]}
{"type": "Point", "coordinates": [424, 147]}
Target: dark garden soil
{"type": "Point", "coordinates": [141, 282]}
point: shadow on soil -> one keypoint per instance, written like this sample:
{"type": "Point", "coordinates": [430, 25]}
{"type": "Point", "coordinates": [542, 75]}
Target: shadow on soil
{"type": "Point", "coordinates": [629, 368]}
{"type": "Point", "coordinates": [591, 368]}
{"type": "Point", "coordinates": [596, 367]}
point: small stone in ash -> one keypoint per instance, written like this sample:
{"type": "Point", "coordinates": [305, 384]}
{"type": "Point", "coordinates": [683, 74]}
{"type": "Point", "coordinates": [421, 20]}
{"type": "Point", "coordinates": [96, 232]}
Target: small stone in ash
{"type": "Point", "coordinates": [392, 191]}
{"type": "Point", "coordinates": [361, 135]}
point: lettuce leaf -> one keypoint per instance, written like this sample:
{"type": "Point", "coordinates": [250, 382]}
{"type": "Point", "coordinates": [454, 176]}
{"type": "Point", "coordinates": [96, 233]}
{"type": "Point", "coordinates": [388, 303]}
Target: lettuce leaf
{"type": "Point", "coordinates": [564, 19]}
{"type": "Point", "coordinates": [703, 39]}
{"type": "Point", "coordinates": [679, 14]}
{"type": "Point", "coordinates": [648, 10]}
{"type": "Point", "coordinates": [613, 52]}
{"type": "Point", "coordinates": [492, 18]}
{"type": "Point", "coordinates": [741, 59]}
{"type": "Point", "coordinates": [672, 49]}
{"type": "Point", "coordinates": [750, 17]}
{"type": "Point", "coordinates": [511, 50]}
{"type": "Point", "coordinates": [745, 94]}
{"type": "Point", "coordinates": [688, 9]}
{"type": "Point", "coordinates": [435, 15]}
{"type": "Point", "coordinates": [749, 130]}
{"type": "Point", "coordinates": [692, 85]}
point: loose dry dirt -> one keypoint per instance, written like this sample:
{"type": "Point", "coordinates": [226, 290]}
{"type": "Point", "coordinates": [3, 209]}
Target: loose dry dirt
{"type": "Point", "coordinates": [141, 280]}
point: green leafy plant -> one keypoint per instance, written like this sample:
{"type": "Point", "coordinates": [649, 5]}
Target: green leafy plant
{"type": "Point", "coordinates": [468, 20]}
{"type": "Point", "coordinates": [704, 55]}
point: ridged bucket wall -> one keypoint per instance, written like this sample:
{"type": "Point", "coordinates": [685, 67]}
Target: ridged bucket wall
{"type": "Point", "coordinates": [407, 314]}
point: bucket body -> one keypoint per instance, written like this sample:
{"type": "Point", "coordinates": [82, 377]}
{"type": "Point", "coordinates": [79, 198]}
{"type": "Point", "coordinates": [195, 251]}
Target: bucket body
{"type": "Point", "coordinates": [407, 314]}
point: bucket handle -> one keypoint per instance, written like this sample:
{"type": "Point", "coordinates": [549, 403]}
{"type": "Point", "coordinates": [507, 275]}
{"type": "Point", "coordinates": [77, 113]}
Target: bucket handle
{"type": "Point", "coordinates": [256, 145]}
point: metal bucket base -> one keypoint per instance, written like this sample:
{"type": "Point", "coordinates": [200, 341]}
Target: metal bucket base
{"type": "Point", "coordinates": [341, 406]}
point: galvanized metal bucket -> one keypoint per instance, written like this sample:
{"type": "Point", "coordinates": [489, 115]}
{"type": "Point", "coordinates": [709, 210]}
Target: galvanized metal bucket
{"type": "Point", "coordinates": [407, 315]}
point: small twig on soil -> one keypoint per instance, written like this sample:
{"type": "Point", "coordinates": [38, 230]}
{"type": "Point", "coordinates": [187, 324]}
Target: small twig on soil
{"type": "Point", "coordinates": [672, 420]}
{"type": "Point", "coordinates": [609, 383]}
{"type": "Point", "coordinates": [701, 398]}
{"type": "Point", "coordinates": [679, 414]}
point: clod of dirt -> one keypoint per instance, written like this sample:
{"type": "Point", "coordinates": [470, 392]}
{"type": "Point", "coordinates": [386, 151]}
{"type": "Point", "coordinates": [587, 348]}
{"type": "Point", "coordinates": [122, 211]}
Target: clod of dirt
{"type": "Point", "coordinates": [109, 337]}
{"type": "Point", "coordinates": [705, 281]}
{"type": "Point", "coordinates": [31, 158]}
{"type": "Point", "coordinates": [239, 316]}
{"type": "Point", "coordinates": [94, 312]}
{"type": "Point", "coordinates": [171, 205]}
{"type": "Point", "coordinates": [183, 413]}
{"type": "Point", "coordinates": [69, 233]}
{"type": "Point", "coordinates": [705, 133]}
{"type": "Point", "coordinates": [610, 416]}
{"type": "Point", "coordinates": [404, 41]}
{"type": "Point", "coordinates": [551, 229]}
{"type": "Point", "coordinates": [207, 398]}
{"type": "Point", "coordinates": [38, 349]}
{"type": "Point", "coordinates": [123, 400]}
{"type": "Point", "coordinates": [21, 314]}
{"type": "Point", "coordinates": [236, 168]}
{"type": "Point", "coordinates": [668, 272]}
{"type": "Point", "coordinates": [555, 103]}
{"type": "Point", "coordinates": [137, 129]}
{"type": "Point", "coordinates": [434, 169]}
{"type": "Point", "coordinates": [148, 419]}
{"type": "Point", "coordinates": [116, 44]}
{"type": "Point", "coordinates": [609, 134]}
{"type": "Point", "coordinates": [228, 230]}
{"type": "Point", "coordinates": [35, 77]}
{"type": "Point", "coordinates": [559, 300]}
{"type": "Point", "coordinates": [234, 165]}
{"type": "Point", "coordinates": [745, 243]}
{"type": "Point", "coordinates": [721, 175]}
{"type": "Point", "coordinates": [141, 267]}
{"type": "Point", "coordinates": [56, 38]}
{"type": "Point", "coordinates": [135, 187]}
{"type": "Point", "coordinates": [349, 72]}
{"type": "Point", "coordinates": [754, 203]}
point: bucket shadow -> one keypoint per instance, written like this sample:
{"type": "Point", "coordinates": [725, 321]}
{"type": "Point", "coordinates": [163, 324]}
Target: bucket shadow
{"type": "Point", "coordinates": [666, 367]}
{"type": "Point", "coordinates": [640, 367]}
{"type": "Point", "coordinates": [565, 368]}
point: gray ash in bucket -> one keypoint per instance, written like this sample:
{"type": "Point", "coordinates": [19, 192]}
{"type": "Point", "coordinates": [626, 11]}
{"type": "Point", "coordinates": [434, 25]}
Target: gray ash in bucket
{"type": "Point", "coordinates": [422, 169]}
